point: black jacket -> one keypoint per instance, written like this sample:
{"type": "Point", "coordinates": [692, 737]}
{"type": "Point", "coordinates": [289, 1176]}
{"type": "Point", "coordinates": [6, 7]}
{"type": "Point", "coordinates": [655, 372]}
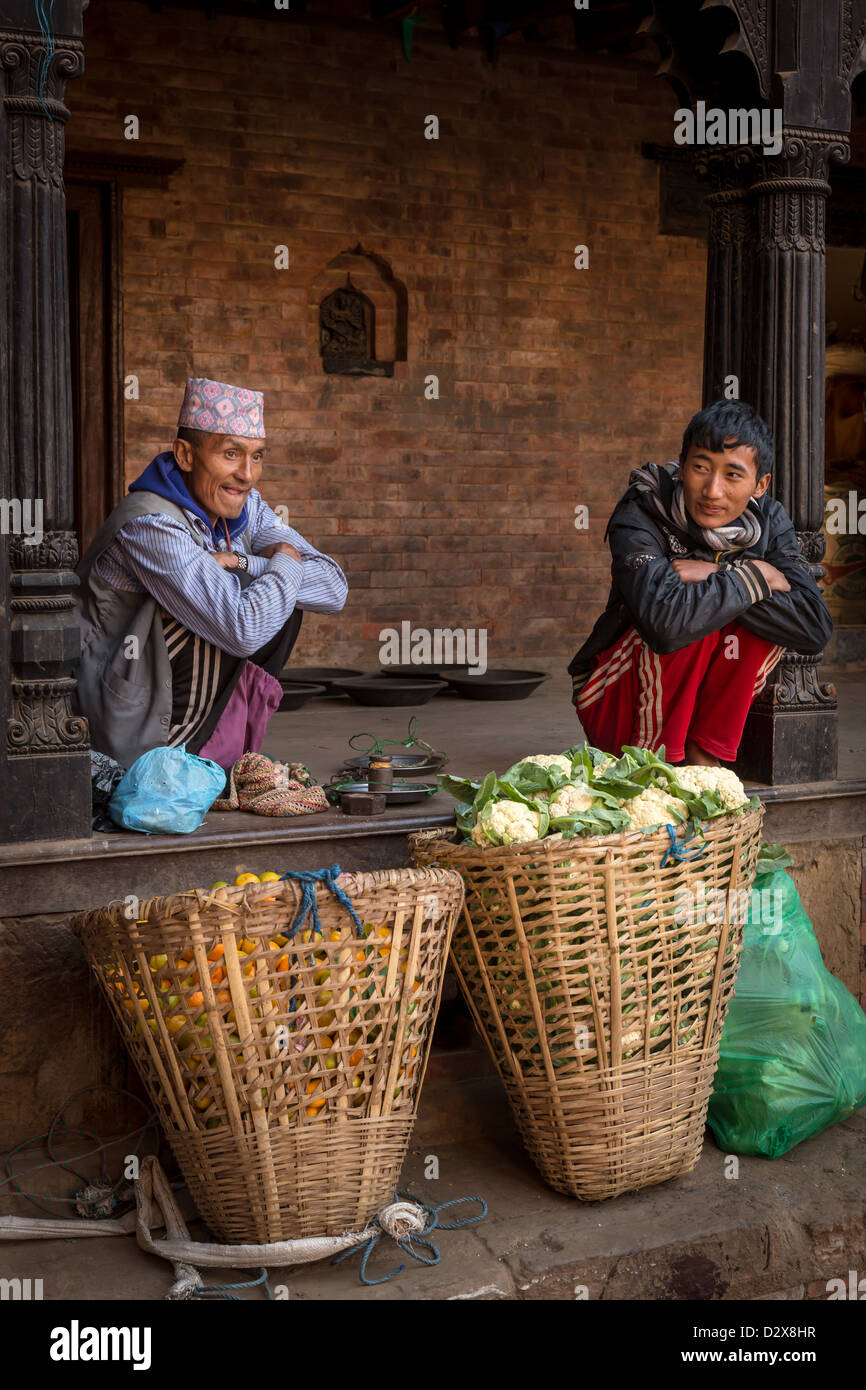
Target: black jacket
{"type": "Point", "coordinates": [648, 594]}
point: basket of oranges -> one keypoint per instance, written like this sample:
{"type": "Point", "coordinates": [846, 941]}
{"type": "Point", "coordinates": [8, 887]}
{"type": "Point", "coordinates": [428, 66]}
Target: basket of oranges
{"type": "Point", "coordinates": [282, 1028]}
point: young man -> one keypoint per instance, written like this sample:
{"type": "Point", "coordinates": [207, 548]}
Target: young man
{"type": "Point", "coordinates": [708, 590]}
{"type": "Point", "coordinates": [193, 590]}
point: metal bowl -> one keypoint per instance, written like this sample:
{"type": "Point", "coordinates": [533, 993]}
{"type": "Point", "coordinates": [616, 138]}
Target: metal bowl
{"type": "Point", "coordinates": [381, 690]}
{"type": "Point", "coordinates": [295, 694]}
{"type": "Point", "coordinates": [400, 794]}
{"type": "Point", "coordinates": [404, 764]}
{"type": "Point", "coordinates": [498, 683]}
{"type": "Point", "coordinates": [421, 673]}
{"type": "Point", "coordinates": [317, 675]}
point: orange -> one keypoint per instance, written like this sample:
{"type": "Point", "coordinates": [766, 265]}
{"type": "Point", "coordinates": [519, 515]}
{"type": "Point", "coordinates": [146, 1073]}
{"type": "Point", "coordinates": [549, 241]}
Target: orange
{"type": "Point", "coordinates": [196, 999]}
{"type": "Point", "coordinates": [246, 878]}
{"type": "Point", "coordinates": [218, 952]}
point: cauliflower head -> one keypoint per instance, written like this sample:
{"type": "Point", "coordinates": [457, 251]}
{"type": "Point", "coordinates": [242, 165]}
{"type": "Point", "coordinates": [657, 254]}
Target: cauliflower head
{"type": "Point", "coordinates": [557, 760]}
{"type": "Point", "coordinates": [652, 807]}
{"type": "Point", "coordinates": [510, 821]}
{"type": "Point", "coordinates": [720, 779]}
{"type": "Point", "coordinates": [571, 801]}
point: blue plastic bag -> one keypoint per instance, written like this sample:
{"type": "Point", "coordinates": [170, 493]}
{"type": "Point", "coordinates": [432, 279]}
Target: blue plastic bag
{"type": "Point", "coordinates": [166, 791]}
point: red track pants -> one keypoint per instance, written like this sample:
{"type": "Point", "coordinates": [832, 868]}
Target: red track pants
{"type": "Point", "coordinates": [701, 692]}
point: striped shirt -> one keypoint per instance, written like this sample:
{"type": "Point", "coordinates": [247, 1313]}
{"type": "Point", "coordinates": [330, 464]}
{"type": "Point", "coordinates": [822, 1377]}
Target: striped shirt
{"type": "Point", "coordinates": [158, 555]}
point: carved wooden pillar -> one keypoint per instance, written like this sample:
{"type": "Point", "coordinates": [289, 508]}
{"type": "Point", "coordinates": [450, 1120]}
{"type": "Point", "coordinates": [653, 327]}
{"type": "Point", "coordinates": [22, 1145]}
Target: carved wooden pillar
{"type": "Point", "coordinates": [791, 733]}
{"type": "Point", "coordinates": [46, 781]}
{"type": "Point", "coordinates": [728, 265]}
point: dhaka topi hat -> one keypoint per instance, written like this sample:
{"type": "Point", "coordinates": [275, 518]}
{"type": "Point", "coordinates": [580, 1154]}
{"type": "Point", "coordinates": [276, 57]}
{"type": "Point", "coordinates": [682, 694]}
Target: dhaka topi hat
{"type": "Point", "coordinates": [217, 408]}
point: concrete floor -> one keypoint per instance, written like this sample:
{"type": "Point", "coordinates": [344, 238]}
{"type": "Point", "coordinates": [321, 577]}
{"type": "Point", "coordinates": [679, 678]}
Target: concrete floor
{"type": "Point", "coordinates": [777, 1229]}
{"type": "Point", "coordinates": [481, 735]}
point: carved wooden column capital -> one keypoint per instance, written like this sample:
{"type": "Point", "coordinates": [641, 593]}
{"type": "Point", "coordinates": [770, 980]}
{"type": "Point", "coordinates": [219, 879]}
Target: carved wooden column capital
{"type": "Point", "coordinates": [36, 74]}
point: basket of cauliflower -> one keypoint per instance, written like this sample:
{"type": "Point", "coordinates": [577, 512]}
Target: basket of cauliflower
{"type": "Point", "coordinates": [599, 945]}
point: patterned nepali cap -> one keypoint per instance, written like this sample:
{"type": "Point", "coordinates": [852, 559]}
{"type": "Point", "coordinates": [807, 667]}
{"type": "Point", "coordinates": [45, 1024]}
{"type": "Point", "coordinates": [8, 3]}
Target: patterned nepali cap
{"type": "Point", "coordinates": [217, 408]}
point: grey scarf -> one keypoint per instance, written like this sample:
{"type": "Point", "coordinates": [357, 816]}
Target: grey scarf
{"type": "Point", "coordinates": [663, 490]}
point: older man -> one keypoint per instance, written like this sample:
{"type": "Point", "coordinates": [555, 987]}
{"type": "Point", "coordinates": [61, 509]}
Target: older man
{"type": "Point", "coordinates": [193, 590]}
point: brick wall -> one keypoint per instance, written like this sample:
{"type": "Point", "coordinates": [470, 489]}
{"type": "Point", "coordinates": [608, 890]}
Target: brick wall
{"type": "Point", "coordinates": [553, 381]}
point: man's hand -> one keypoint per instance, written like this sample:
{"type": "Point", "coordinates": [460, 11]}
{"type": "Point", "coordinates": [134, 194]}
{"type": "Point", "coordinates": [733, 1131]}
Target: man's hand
{"type": "Point", "coordinates": [281, 548]}
{"type": "Point", "coordinates": [226, 559]}
{"type": "Point", "coordinates": [693, 571]}
{"type": "Point", "coordinates": [775, 578]}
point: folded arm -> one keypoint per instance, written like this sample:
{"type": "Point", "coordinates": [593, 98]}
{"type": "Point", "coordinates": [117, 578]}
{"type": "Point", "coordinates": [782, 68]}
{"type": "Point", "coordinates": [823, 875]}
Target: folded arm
{"type": "Point", "coordinates": [799, 619]}
{"type": "Point", "coordinates": [668, 612]}
{"type": "Point", "coordinates": [323, 586]}
{"type": "Point", "coordinates": [186, 581]}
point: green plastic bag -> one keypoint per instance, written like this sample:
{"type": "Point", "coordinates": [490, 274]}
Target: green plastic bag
{"type": "Point", "coordinates": [793, 1049]}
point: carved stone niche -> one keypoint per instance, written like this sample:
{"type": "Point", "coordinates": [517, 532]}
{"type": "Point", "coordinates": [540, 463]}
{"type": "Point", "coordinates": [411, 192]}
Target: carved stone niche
{"type": "Point", "coordinates": [361, 313]}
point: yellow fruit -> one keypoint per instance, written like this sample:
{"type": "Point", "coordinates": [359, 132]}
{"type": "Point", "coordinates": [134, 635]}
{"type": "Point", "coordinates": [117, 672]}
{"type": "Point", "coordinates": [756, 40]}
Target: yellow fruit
{"type": "Point", "coordinates": [269, 877]}
{"type": "Point", "coordinates": [175, 1024]}
{"type": "Point", "coordinates": [321, 977]}
{"type": "Point", "coordinates": [246, 945]}
{"type": "Point", "coordinates": [246, 878]}
{"type": "Point", "coordinates": [220, 883]}
{"type": "Point", "coordinates": [203, 1102]}
{"type": "Point", "coordinates": [324, 997]}
{"type": "Point", "coordinates": [157, 962]}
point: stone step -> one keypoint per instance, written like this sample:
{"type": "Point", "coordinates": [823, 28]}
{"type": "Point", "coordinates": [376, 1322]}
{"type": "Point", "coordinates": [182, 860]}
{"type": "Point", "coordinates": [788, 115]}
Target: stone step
{"type": "Point", "coordinates": [781, 1229]}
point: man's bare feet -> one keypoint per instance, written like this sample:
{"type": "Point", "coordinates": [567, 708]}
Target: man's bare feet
{"type": "Point", "coordinates": [695, 755]}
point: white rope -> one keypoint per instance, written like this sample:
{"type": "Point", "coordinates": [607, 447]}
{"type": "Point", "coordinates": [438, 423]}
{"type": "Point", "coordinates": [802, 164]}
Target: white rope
{"type": "Point", "coordinates": [157, 1207]}
{"type": "Point", "coordinates": [402, 1219]}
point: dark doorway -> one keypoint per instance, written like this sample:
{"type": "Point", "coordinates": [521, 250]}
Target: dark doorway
{"type": "Point", "coordinates": [94, 324]}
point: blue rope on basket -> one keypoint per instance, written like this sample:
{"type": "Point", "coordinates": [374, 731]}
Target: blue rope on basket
{"type": "Point", "coordinates": [676, 848]}
{"type": "Point", "coordinates": [368, 1246]}
{"type": "Point", "coordinates": [308, 878]}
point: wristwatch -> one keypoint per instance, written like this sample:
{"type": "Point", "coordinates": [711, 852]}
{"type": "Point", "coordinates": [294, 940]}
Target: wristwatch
{"type": "Point", "coordinates": [243, 560]}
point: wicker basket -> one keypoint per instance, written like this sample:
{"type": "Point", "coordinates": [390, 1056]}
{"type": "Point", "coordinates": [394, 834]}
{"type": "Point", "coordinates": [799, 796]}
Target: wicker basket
{"type": "Point", "coordinates": [285, 1071]}
{"type": "Point", "coordinates": [599, 977]}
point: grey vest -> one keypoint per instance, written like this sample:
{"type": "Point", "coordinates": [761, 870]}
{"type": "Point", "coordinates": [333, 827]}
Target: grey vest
{"type": "Point", "coordinates": [124, 674]}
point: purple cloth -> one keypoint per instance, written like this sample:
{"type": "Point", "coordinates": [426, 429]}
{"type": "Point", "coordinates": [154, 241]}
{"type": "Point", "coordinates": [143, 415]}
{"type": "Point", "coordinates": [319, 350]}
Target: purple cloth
{"type": "Point", "coordinates": [242, 724]}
